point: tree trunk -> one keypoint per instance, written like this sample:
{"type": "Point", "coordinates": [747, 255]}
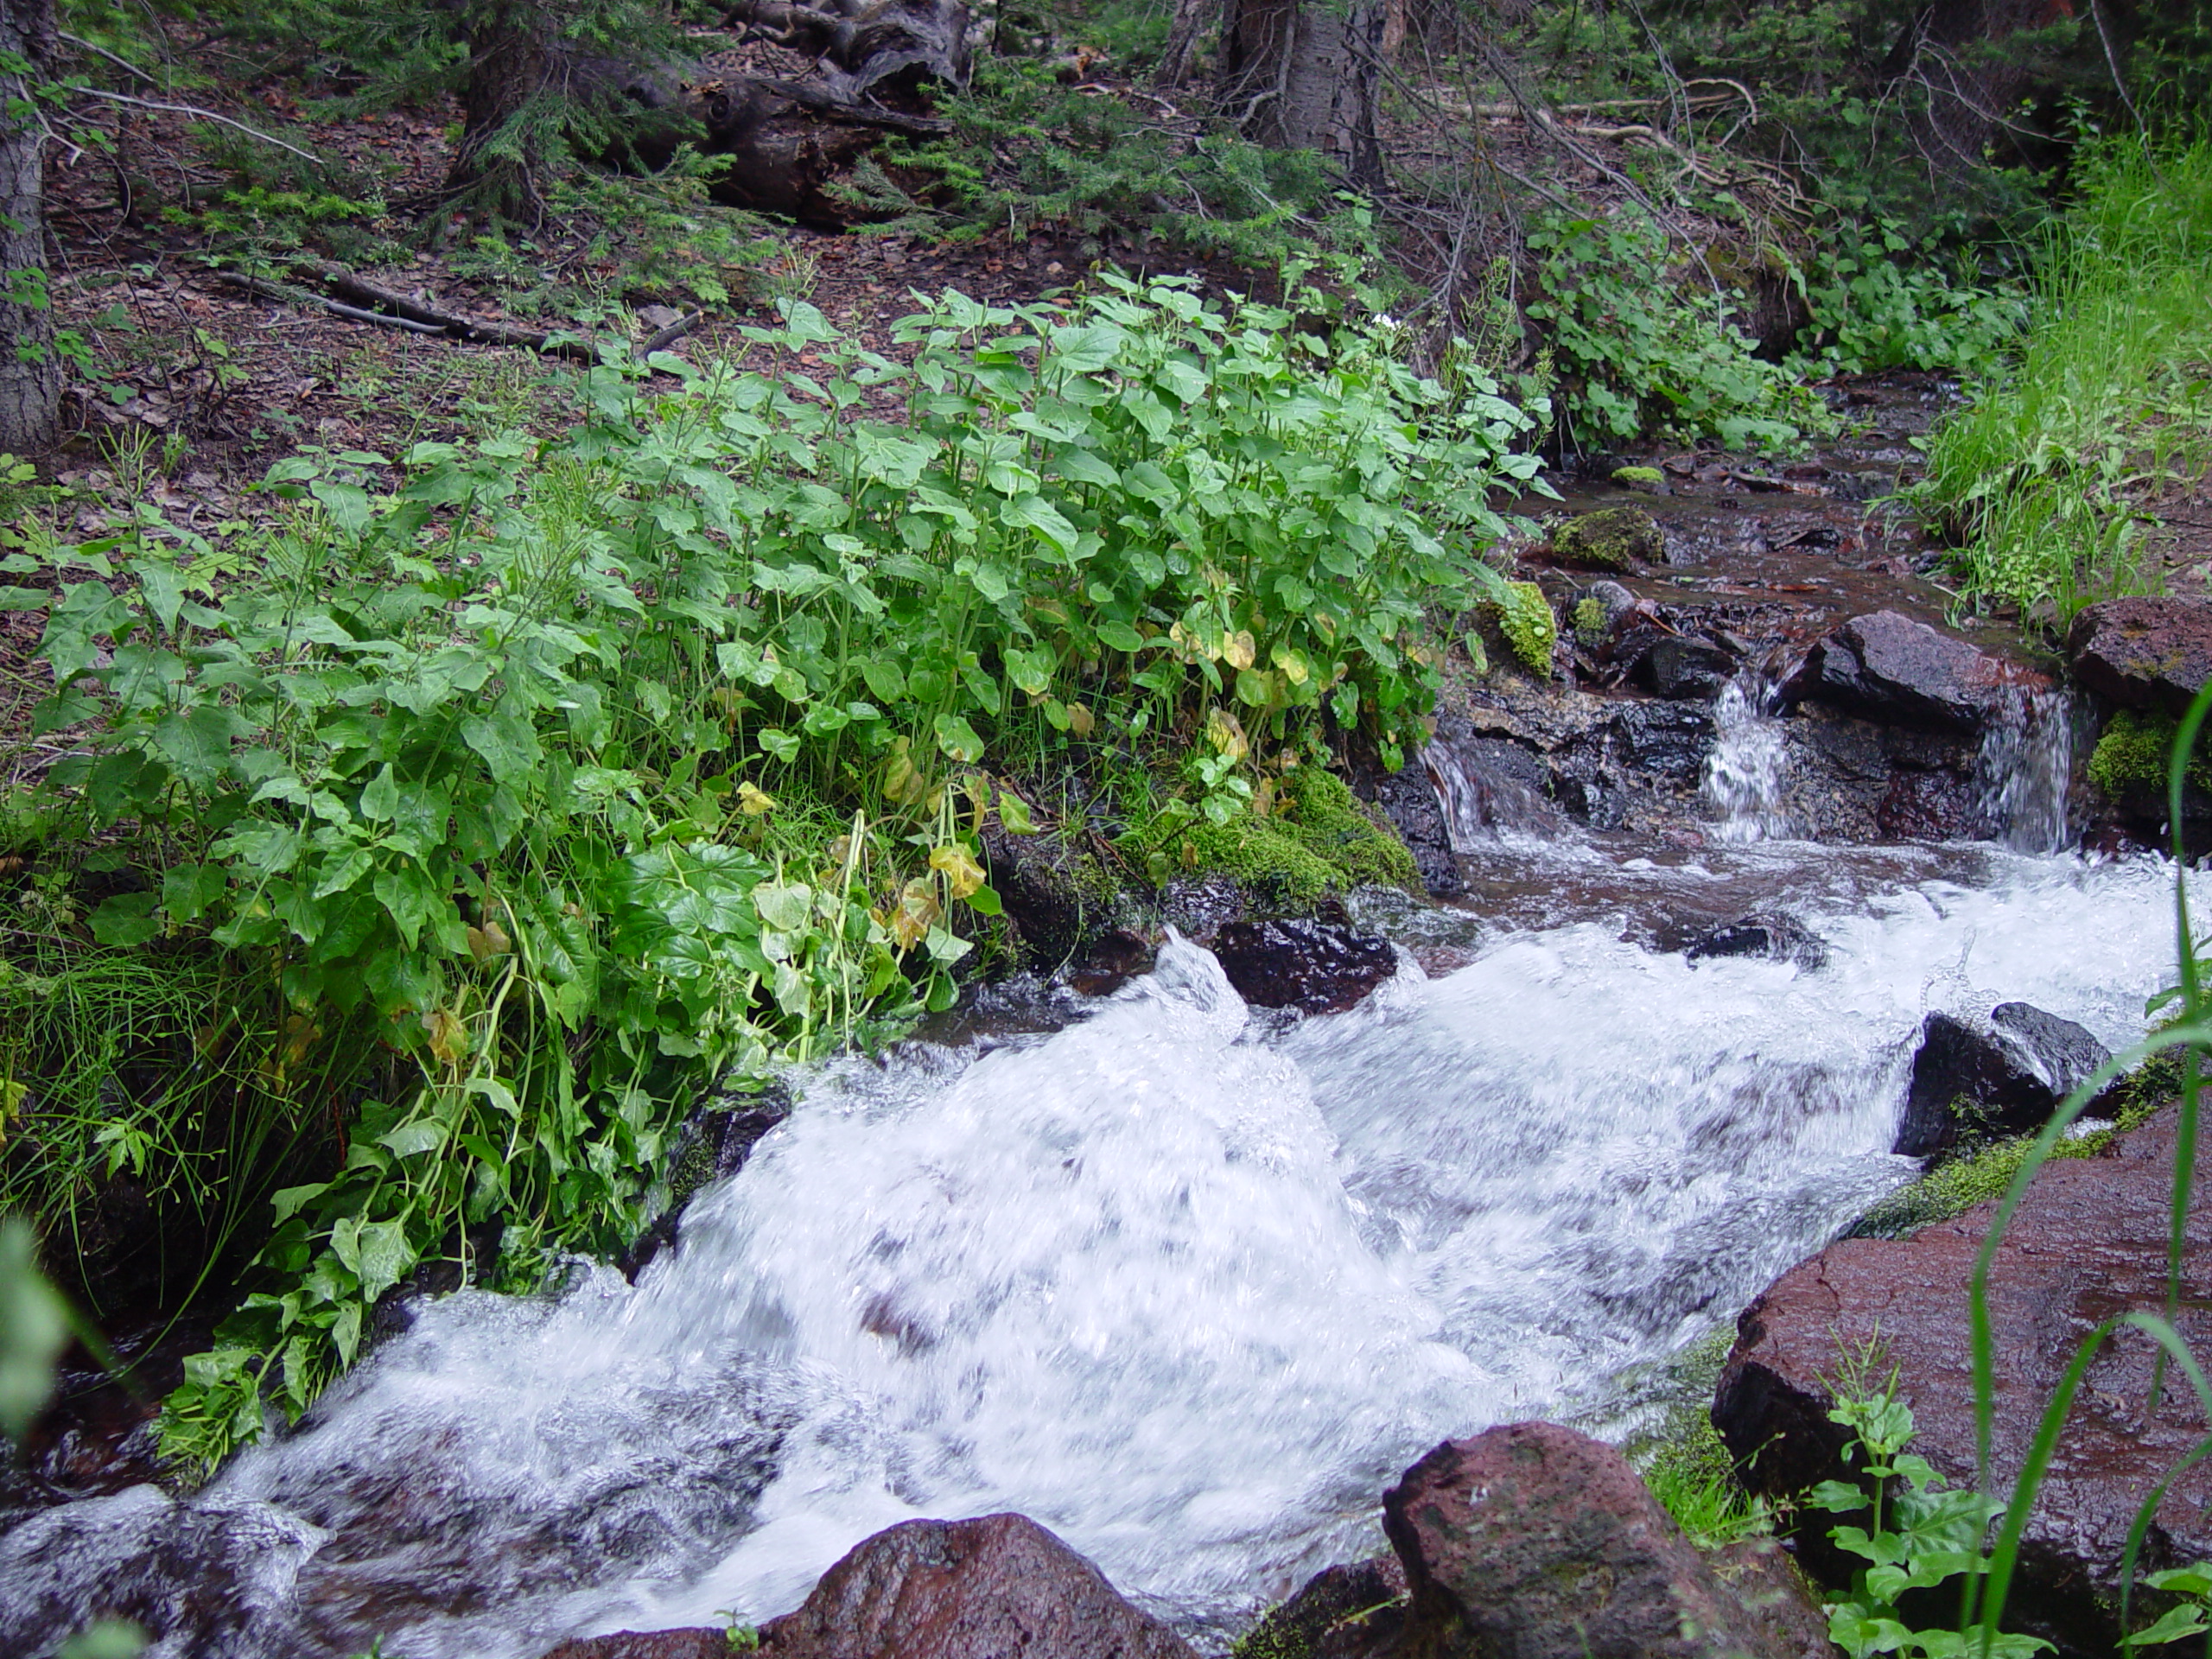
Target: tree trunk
{"type": "Point", "coordinates": [510, 110]}
{"type": "Point", "coordinates": [1958, 51]}
{"type": "Point", "coordinates": [1299, 74]}
{"type": "Point", "coordinates": [1183, 32]}
{"type": "Point", "coordinates": [30, 371]}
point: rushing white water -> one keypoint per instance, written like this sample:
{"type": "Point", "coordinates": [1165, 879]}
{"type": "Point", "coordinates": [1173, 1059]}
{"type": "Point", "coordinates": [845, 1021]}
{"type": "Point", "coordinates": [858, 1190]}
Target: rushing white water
{"type": "Point", "coordinates": [1743, 775]}
{"type": "Point", "coordinates": [1189, 1288]}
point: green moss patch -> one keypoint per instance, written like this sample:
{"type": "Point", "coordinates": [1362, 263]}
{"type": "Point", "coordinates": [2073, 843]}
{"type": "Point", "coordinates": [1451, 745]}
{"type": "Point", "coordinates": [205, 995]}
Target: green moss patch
{"type": "Point", "coordinates": [1648, 479]}
{"type": "Point", "coordinates": [1525, 619]}
{"type": "Point", "coordinates": [1329, 843]}
{"type": "Point", "coordinates": [2131, 758]}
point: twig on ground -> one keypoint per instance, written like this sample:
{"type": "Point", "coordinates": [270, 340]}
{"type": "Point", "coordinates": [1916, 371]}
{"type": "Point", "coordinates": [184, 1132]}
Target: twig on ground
{"type": "Point", "coordinates": [660, 339]}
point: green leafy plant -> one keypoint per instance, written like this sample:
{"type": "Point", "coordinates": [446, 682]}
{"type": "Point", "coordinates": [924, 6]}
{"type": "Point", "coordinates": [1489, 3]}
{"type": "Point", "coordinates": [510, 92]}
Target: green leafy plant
{"type": "Point", "coordinates": [1636, 356]}
{"type": "Point", "coordinates": [563, 777]}
{"type": "Point", "coordinates": [1919, 1533]}
{"type": "Point", "coordinates": [1880, 301]}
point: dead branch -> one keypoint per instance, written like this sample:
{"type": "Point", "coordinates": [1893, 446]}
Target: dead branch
{"type": "Point", "coordinates": [198, 114]}
{"type": "Point", "coordinates": [661, 339]}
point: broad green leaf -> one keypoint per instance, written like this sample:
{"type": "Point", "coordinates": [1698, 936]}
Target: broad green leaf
{"type": "Point", "coordinates": [958, 740]}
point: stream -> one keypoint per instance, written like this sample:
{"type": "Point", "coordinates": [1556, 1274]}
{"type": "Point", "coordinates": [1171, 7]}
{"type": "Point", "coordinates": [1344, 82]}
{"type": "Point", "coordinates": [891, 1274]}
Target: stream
{"type": "Point", "coordinates": [1187, 1282]}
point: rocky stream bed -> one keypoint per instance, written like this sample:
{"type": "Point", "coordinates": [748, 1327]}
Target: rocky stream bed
{"type": "Point", "coordinates": [1224, 1253]}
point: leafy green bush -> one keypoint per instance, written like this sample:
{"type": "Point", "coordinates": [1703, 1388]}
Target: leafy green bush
{"type": "Point", "coordinates": [1636, 355]}
{"type": "Point", "coordinates": [578, 773]}
{"type": "Point", "coordinates": [1880, 300]}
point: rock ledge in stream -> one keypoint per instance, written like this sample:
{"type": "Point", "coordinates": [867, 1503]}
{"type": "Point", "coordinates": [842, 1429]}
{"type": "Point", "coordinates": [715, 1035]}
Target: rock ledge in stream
{"type": "Point", "coordinates": [1892, 670]}
{"type": "Point", "coordinates": [999, 1587]}
{"type": "Point", "coordinates": [2087, 1244]}
{"type": "Point", "coordinates": [1538, 1542]}
{"type": "Point", "coordinates": [647, 1644]}
{"type": "Point", "coordinates": [1314, 967]}
{"type": "Point", "coordinates": [2144, 653]}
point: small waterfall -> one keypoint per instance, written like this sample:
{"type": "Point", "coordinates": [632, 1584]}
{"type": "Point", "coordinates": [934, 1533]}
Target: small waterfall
{"type": "Point", "coordinates": [2024, 771]}
{"type": "Point", "coordinates": [1743, 777]}
{"type": "Point", "coordinates": [1479, 795]}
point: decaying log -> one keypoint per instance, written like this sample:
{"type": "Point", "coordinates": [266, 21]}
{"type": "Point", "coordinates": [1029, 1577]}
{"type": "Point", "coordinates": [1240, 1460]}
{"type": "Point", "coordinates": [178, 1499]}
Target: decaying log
{"type": "Point", "coordinates": [862, 42]}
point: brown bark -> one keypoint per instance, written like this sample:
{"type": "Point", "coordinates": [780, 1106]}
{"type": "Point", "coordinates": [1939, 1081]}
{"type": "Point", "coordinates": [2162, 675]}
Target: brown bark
{"type": "Point", "coordinates": [30, 370]}
{"type": "Point", "coordinates": [1299, 74]}
{"type": "Point", "coordinates": [512, 64]}
{"type": "Point", "coordinates": [1188, 24]}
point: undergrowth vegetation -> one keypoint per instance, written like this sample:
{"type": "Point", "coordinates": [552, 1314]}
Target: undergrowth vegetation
{"type": "Point", "coordinates": [2050, 476]}
{"type": "Point", "coordinates": [512, 804]}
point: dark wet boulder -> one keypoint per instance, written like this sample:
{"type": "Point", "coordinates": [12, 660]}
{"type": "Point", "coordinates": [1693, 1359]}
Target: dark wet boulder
{"type": "Point", "coordinates": [999, 1587]}
{"type": "Point", "coordinates": [1408, 798]}
{"type": "Point", "coordinates": [2006, 1076]}
{"type": "Point", "coordinates": [1771, 938]}
{"type": "Point", "coordinates": [1341, 1612]}
{"type": "Point", "coordinates": [648, 1644]}
{"type": "Point", "coordinates": [1611, 538]}
{"type": "Point", "coordinates": [1534, 1540]}
{"type": "Point", "coordinates": [1314, 967]}
{"type": "Point", "coordinates": [2087, 1244]}
{"type": "Point", "coordinates": [1666, 740]}
{"type": "Point", "coordinates": [1055, 895]}
{"type": "Point", "coordinates": [1678, 668]}
{"type": "Point", "coordinates": [2143, 653]}
{"type": "Point", "coordinates": [1894, 670]}
{"type": "Point", "coordinates": [1112, 961]}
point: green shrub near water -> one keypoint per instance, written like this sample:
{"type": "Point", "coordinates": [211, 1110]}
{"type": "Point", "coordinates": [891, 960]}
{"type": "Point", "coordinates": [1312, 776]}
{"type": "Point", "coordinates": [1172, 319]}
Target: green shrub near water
{"type": "Point", "coordinates": [573, 775]}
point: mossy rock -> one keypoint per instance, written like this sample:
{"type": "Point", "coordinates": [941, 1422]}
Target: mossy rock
{"type": "Point", "coordinates": [1644, 481]}
{"type": "Point", "coordinates": [1525, 621]}
{"type": "Point", "coordinates": [1329, 843]}
{"type": "Point", "coordinates": [2131, 758]}
{"type": "Point", "coordinates": [1611, 538]}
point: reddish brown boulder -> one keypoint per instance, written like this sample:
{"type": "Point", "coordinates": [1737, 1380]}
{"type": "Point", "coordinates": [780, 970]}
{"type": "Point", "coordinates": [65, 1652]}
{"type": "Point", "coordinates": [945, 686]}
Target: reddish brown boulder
{"type": "Point", "coordinates": [647, 1644]}
{"type": "Point", "coordinates": [999, 1587]}
{"type": "Point", "coordinates": [1542, 1543]}
{"type": "Point", "coordinates": [1893, 671]}
{"type": "Point", "coordinates": [2144, 653]}
{"type": "Point", "coordinates": [2087, 1244]}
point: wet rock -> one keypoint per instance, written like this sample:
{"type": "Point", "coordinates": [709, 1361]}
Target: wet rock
{"type": "Point", "coordinates": [1927, 806]}
{"type": "Point", "coordinates": [2144, 653]}
{"type": "Point", "coordinates": [1669, 740]}
{"type": "Point", "coordinates": [1773, 938]}
{"type": "Point", "coordinates": [648, 1644]}
{"type": "Point", "coordinates": [1678, 668]}
{"type": "Point", "coordinates": [2087, 1244]}
{"type": "Point", "coordinates": [1644, 481]}
{"type": "Point", "coordinates": [1341, 1612]}
{"type": "Point", "coordinates": [1055, 896]}
{"type": "Point", "coordinates": [999, 1587]}
{"type": "Point", "coordinates": [1613, 599]}
{"type": "Point", "coordinates": [1890, 669]}
{"type": "Point", "coordinates": [1611, 538]}
{"type": "Point", "coordinates": [1111, 962]}
{"type": "Point", "coordinates": [1408, 798]}
{"type": "Point", "coordinates": [1485, 785]}
{"type": "Point", "coordinates": [1315, 967]}
{"type": "Point", "coordinates": [1535, 1540]}
{"type": "Point", "coordinates": [713, 1144]}
{"type": "Point", "coordinates": [2006, 1077]}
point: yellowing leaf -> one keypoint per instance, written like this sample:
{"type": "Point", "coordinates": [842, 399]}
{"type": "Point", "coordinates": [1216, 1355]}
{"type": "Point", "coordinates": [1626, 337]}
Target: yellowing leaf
{"type": "Point", "coordinates": [1226, 733]}
{"type": "Point", "coordinates": [488, 942]}
{"type": "Point", "coordinates": [1293, 662]}
{"type": "Point", "coordinates": [448, 1036]}
{"type": "Point", "coordinates": [752, 800]}
{"type": "Point", "coordinates": [1240, 649]}
{"type": "Point", "coordinates": [917, 909]}
{"type": "Point", "coordinates": [1080, 719]}
{"type": "Point", "coordinates": [962, 873]}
